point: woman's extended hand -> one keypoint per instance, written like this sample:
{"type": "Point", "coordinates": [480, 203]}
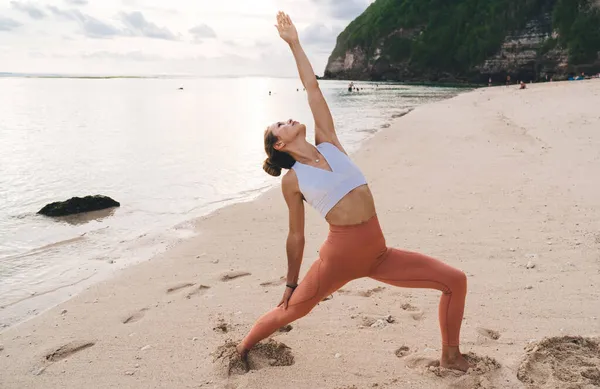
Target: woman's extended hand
{"type": "Point", "coordinates": [287, 30]}
{"type": "Point", "coordinates": [286, 297]}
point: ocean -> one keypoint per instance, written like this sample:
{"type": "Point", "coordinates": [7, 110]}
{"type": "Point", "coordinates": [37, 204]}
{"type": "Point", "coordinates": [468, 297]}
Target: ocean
{"type": "Point", "coordinates": [168, 155]}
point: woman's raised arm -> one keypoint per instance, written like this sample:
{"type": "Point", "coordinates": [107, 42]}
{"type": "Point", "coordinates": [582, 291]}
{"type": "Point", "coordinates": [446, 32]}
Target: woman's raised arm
{"type": "Point", "coordinates": [324, 127]}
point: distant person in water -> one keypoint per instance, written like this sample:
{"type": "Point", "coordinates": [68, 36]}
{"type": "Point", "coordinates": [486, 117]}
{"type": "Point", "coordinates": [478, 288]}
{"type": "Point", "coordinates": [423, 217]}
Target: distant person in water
{"type": "Point", "coordinates": [350, 86]}
{"type": "Point", "coordinates": [325, 177]}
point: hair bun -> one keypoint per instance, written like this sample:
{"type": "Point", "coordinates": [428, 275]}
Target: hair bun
{"type": "Point", "coordinates": [271, 168]}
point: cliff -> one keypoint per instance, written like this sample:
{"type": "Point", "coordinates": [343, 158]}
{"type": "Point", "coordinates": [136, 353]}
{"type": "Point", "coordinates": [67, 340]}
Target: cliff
{"type": "Point", "coordinates": [469, 41]}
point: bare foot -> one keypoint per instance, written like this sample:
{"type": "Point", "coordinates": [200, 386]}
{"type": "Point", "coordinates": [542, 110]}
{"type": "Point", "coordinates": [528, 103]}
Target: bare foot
{"type": "Point", "coordinates": [243, 357]}
{"type": "Point", "coordinates": [456, 362]}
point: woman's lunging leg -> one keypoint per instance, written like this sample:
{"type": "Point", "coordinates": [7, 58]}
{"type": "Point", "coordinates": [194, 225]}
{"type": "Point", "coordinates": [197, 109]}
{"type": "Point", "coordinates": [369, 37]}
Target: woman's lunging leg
{"type": "Point", "coordinates": [413, 270]}
{"type": "Point", "coordinates": [318, 283]}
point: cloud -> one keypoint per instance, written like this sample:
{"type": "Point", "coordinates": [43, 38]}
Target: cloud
{"type": "Point", "coordinates": [262, 44]}
{"type": "Point", "coordinates": [95, 28]}
{"type": "Point", "coordinates": [37, 54]}
{"type": "Point", "coordinates": [318, 34]}
{"type": "Point", "coordinates": [76, 2]}
{"type": "Point", "coordinates": [161, 10]}
{"type": "Point", "coordinates": [137, 25]}
{"type": "Point", "coordinates": [202, 31]}
{"type": "Point", "coordinates": [343, 9]}
{"type": "Point", "coordinates": [92, 27]}
{"type": "Point", "coordinates": [7, 24]}
{"type": "Point", "coordinates": [28, 8]}
{"type": "Point", "coordinates": [129, 56]}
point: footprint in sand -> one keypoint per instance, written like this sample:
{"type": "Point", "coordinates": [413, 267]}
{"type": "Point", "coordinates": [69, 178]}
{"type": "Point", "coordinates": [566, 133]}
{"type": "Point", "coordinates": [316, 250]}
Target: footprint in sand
{"type": "Point", "coordinates": [232, 275]}
{"type": "Point", "coordinates": [371, 292]}
{"type": "Point", "coordinates": [61, 353]}
{"type": "Point", "coordinates": [286, 328]}
{"type": "Point", "coordinates": [197, 291]}
{"type": "Point", "coordinates": [402, 351]}
{"type": "Point", "coordinates": [421, 362]}
{"type": "Point", "coordinates": [490, 334]}
{"type": "Point", "coordinates": [178, 287]}
{"type": "Point", "coordinates": [222, 327]}
{"type": "Point", "coordinates": [137, 316]}
{"type": "Point", "coordinates": [265, 354]}
{"type": "Point", "coordinates": [561, 362]}
{"type": "Point", "coordinates": [414, 312]}
{"type": "Point", "coordinates": [67, 350]}
{"type": "Point", "coordinates": [409, 308]}
{"type": "Point", "coordinates": [376, 321]}
{"type": "Point", "coordinates": [278, 282]}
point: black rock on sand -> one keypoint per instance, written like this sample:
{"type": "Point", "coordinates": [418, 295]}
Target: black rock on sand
{"type": "Point", "coordinates": [78, 205]}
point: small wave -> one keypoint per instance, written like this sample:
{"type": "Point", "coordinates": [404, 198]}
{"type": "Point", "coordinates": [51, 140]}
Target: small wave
{"type": "Point", "coordinates": [21, 216]}
{"type": "Point", "coordinates": [48, 247]}
{"type": "Point", "coordinates": [255, 190]}
{"type": "Point", "coordinates": [37, 294]}
{"type": "Point", "coordinates": [403, 113]}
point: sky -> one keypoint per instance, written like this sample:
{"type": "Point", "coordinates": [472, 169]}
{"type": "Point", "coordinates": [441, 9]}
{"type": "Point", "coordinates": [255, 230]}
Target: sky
{"type": "Point", "coordinates": [149, 37]}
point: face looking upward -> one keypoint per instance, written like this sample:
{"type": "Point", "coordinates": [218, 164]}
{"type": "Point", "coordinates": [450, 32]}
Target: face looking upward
{"type": "Point", "coordinates": [287, 132]}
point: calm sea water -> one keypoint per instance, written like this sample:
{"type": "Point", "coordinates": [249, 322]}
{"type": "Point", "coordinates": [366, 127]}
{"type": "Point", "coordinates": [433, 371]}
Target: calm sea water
{"type": "Point", "coordinates": [168, 155]}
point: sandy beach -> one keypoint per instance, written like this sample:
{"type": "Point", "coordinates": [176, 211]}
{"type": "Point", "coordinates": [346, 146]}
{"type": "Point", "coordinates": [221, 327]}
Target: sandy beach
{"type": "Point", "coordinates": [498, 182]}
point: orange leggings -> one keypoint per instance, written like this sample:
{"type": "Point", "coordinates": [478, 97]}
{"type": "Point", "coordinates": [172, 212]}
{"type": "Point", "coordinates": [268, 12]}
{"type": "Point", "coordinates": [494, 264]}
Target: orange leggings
{"type": "Point", "coordinates": [352, 252]}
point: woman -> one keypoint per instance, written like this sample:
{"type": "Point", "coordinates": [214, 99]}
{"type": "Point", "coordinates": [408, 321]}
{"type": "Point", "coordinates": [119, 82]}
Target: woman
{"type": "Point", "coordinates": [325, 177]}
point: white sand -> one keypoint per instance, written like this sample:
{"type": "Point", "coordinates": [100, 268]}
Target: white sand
{"type": "Point", "coordinates": [487, 181]}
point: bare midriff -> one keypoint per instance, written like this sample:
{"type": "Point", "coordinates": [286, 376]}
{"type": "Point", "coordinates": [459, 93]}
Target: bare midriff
{"type": "Point", "coordinates": [356, 207]}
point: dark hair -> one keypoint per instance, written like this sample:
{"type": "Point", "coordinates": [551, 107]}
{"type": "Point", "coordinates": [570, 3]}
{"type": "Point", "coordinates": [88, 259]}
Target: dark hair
{"type": "Point", "coordinates": [276, 160]}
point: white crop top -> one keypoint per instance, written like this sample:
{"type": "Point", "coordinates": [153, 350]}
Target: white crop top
{"type": "Point", "coordinates": [323, 189]}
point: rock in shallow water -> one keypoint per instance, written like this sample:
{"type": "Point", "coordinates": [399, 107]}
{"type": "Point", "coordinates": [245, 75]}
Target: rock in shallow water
{"type": "Point", "coordinates": [78, 205]}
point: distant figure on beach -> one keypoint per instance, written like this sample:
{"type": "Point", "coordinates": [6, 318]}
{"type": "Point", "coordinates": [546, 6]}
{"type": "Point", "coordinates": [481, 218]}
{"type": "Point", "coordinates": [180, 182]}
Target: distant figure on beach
{"type": "Point", "coordinates": [350, 86]}
{"type": "Point", "coordinates": [490, 81]}
{"type": "Point", "coordinates": [269, 93]}
{"type": "Point", "coordinates": [523, 85]}
{"type": "Point", "coordinates": [507, 80]}
{"type": "Point", "coordinates": [326, 178]}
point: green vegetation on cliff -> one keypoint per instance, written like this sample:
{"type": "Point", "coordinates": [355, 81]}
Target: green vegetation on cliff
{"type": "Point", "coordinates": [456, 35]}
{"type": "Point", "coordinates": [578, 24]}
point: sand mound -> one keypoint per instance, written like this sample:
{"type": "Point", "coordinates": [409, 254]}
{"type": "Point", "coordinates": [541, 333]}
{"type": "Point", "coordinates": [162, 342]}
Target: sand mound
{"type": "Point", "coordinates": [562, 362]}
{"type": "Point", "coordinates": [265, 354]}
{"type": "Point", "coordinates": [270, 353]}
{"type": "Point", "coordinates": [228, 359]}
{"type": "Point", "coordinates": [481, 365]}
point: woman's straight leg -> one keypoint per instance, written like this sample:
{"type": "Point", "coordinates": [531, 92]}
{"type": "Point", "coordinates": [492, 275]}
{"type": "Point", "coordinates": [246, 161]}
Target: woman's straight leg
{"type": "Point", "coordinates": [413, 270]}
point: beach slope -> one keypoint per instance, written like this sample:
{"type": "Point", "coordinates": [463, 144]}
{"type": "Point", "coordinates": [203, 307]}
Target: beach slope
{"type": "Point", "coordinates": [502, 183]}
